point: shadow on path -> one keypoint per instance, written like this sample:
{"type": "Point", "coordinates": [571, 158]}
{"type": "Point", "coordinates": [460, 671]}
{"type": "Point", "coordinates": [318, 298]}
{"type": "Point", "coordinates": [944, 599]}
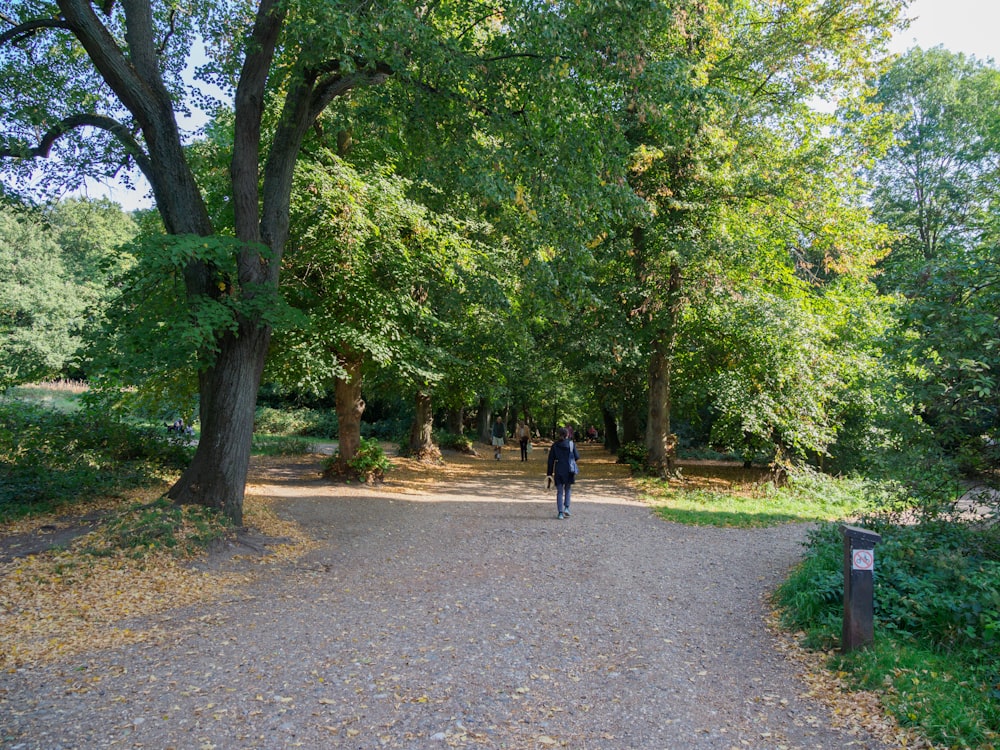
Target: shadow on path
{"type": "Point", "coordinates": [463, 615]}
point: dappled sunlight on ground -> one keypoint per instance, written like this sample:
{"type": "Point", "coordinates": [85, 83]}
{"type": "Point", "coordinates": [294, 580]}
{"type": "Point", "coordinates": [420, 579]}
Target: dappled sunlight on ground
{"type": "Point", "coordinates": [475, 478]}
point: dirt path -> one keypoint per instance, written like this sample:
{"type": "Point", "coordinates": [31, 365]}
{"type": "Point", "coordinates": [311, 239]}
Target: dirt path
{"type": "Point", "coordinates": [451, 609]}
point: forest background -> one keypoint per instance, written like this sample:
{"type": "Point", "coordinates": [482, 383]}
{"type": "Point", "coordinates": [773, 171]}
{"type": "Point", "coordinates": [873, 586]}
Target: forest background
{"type": "Point", "coordinates": [737, 229]}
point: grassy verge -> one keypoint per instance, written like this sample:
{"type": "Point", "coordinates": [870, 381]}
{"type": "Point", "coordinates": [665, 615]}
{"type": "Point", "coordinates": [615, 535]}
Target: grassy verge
{"type": "Point", "coordinates": [936, 657]}
{"type": "Point", "coordinates": [716, 496]}
{"type": "Point", "coordinates": [936, 660]}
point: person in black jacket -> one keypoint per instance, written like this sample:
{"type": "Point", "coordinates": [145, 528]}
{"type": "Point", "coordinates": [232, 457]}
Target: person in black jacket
{"type": "Point", "coordinates": [563, 456]}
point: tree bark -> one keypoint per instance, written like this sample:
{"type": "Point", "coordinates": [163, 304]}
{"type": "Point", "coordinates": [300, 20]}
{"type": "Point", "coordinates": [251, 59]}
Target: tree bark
{"type": "Point", "coordinates": [660, 442]}
{"type": "Point", "coordinates": [217, 475]}
{"type": "Point", "coordinates": [484, 420]}
{"type": "Point", "coordinates": [422, 432]}
{"type": "Point", "coordinates": [610, 429]}
{"type": "Point", "coordinates": [350, 407]}
{"type": "Point", "coordinates": [456, 417]}
{"type": "Point", "coordinates": [631, 432]}
{"type": "Point", "coordinates": [659, 454]}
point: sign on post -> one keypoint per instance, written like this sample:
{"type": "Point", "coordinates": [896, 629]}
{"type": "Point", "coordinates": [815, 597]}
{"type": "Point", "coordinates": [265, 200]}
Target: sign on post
{"type": "Point", "coordinates": [859, 587]}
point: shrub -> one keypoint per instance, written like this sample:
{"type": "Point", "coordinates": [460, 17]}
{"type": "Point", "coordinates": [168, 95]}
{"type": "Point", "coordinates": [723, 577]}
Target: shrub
{"type": "Point", "coordinates": [937, 597]}
{"type": "Point", "coordinates": [389, 430]}
{"type": "Point", "coordinates": [281, 445]}
{"type": "Point", "coordinates": [369, 465]}
{"type": "Point", "coordinates": [450, 440]}
{"type": "Point", "coordinates": [635, 455]}
{"type": "Point", "coordinates": [317, 423]}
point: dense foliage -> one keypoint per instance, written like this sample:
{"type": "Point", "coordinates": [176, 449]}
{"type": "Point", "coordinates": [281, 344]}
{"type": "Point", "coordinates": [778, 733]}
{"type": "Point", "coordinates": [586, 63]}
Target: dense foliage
{"type": "Point", "coordinates": [50, 458]}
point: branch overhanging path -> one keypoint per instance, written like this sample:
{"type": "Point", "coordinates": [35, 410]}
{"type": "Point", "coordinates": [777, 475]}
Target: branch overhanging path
{"type": "Point", "coordinates": [450, 608]}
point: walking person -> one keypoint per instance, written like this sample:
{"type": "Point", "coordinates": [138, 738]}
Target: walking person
{"type": "Point", "coordinates": [561, 468]}
{"type": "Point", "coordinates": [523, 438]}
{"type": "Point", "coordinates": [498, 434]}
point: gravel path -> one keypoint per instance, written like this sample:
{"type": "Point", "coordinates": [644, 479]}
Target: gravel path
{"type": "Point", "coordinates": [469, 617]}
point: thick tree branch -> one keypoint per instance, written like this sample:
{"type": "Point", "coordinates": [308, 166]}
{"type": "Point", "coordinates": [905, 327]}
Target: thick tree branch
{"type": "Point", "coordinates": [141, 38]}
{"type": "Point", "coordinates": [22, 31]}
{"type": "Point", "coordinates": [117, 129]}
{"type": "Point", "coordinates": [327, 90]}
{"type": "Point", "coordinates": [136, 81]}
{"type": "Point", "coordinates": [249, 108]}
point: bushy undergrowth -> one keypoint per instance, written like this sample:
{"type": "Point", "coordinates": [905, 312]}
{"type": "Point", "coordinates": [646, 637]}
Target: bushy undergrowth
{"type": "Point", "coordinates": [451, 441]}
{"type": "Point", "coordinates": [936, 659]}
{"type": "Point", "coordinates": [316, 423]}
{"type": "Point", "coordinates": [51, 458]}
{"type": "Point", "coordinates": [369, 464]}
{"type": "Point", "coordinates": [388, 430]}
{"type": "Point", "coordinates": [635, 455]}
{"type": "Point", "coordinates": [281, 445]}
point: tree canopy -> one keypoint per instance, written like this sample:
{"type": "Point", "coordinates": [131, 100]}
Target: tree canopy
{"type": "Point", "coordinates": [570, 213]}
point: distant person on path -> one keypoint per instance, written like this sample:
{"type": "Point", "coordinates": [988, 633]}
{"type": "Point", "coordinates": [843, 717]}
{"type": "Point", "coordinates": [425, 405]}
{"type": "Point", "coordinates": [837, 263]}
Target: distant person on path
{"type": "Point", "coordinates": [569, 431]}
{"type": "Point", "coordinates": [499, 432]}
{"type": "Point", "coordinates": [563, 456]}
{"type": "Point", "coordinates": [523, 437]}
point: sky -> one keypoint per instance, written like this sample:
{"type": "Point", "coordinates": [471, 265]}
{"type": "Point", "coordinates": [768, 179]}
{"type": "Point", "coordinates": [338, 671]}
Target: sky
{"type": "Point", "coordinates": [969, 26]}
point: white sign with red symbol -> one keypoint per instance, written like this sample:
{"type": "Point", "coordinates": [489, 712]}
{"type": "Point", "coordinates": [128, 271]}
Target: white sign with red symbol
{"type": "Point", "coordinates": [863, 559]}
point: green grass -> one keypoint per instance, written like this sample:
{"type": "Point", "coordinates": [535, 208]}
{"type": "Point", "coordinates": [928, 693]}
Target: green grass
{"type": "Point", "coordinates": [808, 497]}
{"type": "Point", "coordinates": [282, 445]}
{"type": "Point", "coordinates": [934, 693]}
{"type": "Point", "coordinates": [160, 525]}
{"type": "Point", "coordinates": [61, 395]}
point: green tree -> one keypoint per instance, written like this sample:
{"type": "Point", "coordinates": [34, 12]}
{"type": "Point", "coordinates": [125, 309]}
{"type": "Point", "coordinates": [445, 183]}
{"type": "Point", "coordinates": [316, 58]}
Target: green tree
{"type": "Point", "coordinates": [363, 257]}
{"type": "Point", "coordinates": [39, 311]}
{"type": "Point", "coordinates": [56, 261]}
{"type": "Point", "coordinates": [936, 188]}
{"type": "Point", "coordinates": [99, 87]}
{"type": "Point", "coordinates": [723, 123]}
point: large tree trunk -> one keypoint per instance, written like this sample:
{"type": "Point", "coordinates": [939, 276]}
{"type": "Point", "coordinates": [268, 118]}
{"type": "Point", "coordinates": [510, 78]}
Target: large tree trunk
{"type": "Point", "coordinates": [130, 64]}
{"type": "Point", "coordinates": [422, 432]}
{"type": "Point", "coordinates": [631, 432]}
{"type": "Point", "coordinates": [350, 407]}
{"type": "Point", "coordinates": [217, 474]}
{"type": "Point", "coordinates": [658, 445]}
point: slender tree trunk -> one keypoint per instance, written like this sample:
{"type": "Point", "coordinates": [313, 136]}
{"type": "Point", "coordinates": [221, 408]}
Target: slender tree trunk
{"type": "Point", "coordinates": [631, 432]}
{"type": "Point", "coordinates": [422, 433]}
{"type": "Point", "coordinates": [484, 420]}
{"type": "Point", "coordinates": [660, 442]}
{"type": "Point", "coordinates": [610, 429]}
{"type": "Point", "coordinates": [350, 407]}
